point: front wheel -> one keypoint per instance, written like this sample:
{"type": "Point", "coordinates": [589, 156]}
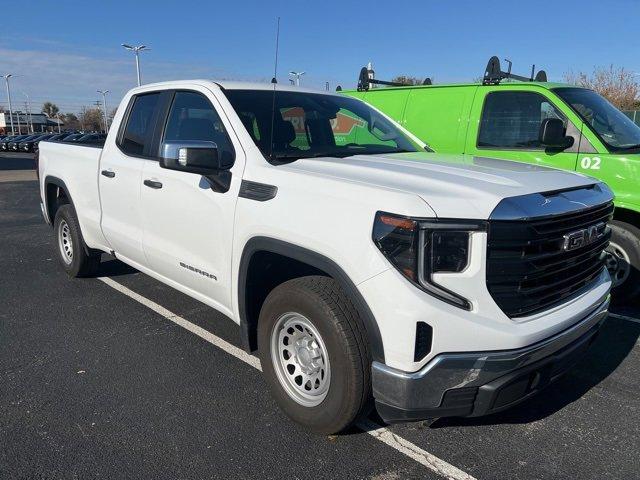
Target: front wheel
{"type": "Point", "coordinates": [623, 260]}
{"type": "Point", "coordinates": [314, 355]}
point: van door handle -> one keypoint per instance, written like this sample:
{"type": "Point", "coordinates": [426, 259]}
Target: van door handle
{"type": "Point", "coordinates": [153, 184]}
{"type": "Point", "coordinates": [108, 173]}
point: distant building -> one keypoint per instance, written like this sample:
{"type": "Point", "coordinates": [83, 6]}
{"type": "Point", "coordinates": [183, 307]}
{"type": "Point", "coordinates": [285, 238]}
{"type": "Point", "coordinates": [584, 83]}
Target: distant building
{"type": "Point", "coordinates": [40, 122]}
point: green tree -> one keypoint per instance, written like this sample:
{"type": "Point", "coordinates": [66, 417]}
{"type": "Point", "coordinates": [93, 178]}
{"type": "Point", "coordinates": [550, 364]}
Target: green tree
{"type": "Point", "coordinates": [50, 109]}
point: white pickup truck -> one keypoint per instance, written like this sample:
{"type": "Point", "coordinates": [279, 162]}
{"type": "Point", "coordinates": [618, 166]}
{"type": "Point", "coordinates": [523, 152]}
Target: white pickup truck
{"type": "Point", "coordinates": [356, 263]}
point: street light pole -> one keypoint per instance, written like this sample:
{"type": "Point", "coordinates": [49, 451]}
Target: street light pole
{"type": "Point", "coordinates": [104, 108]}
{"type": "Point", "coordinates": [29, 117]}
{"type": "Point", "coordinates": [6, 79]}
{"type": "Point", "coordinates": [136, 51]}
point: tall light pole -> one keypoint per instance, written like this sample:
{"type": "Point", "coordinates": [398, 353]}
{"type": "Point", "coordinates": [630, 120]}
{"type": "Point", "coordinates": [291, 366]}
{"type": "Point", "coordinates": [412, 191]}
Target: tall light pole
{"type": "Point", "coordinates": [104, 108]}
{"type": "Point", "coordinates": [137, 51]}
{"type": "Point", "coordinates": [6, 79]}
{"type": "Point", "coordinates": [28, 107]}
{"type": "Point", "coordinates": [297, 76]}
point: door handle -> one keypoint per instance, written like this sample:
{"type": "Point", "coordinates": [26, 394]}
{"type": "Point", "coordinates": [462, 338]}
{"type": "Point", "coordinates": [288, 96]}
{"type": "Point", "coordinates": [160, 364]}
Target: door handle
{"type": "Point", "coordinates": [153, 184]}
{"type": "Point", "coordinates": [108, 173]}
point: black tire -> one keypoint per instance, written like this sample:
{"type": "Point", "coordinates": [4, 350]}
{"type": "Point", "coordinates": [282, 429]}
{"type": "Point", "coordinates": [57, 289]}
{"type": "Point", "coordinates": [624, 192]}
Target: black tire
{"type": "Point", "coordinates": [624, 252]}
{"type": "Point", "coordinates": [326, 306]}
{"type": "Point", "coordinates": [82, 262]}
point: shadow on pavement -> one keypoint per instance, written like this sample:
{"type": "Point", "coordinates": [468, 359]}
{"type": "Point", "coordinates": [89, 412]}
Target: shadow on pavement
{"type": "Point", "coordinates": [17, 163]}
{"type": "Point", "coordinates": [114, 268]}
{"type": "Point", "coordinates": [616, 339]}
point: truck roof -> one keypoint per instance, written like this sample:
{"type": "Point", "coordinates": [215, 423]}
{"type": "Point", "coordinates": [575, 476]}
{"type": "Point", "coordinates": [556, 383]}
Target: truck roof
{"type": "Point", "coordinates": [230, 85]}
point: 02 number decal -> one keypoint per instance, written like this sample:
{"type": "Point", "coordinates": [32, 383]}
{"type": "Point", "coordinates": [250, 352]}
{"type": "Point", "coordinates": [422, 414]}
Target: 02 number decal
{"type": "Point", "coordinates": [590, 163]}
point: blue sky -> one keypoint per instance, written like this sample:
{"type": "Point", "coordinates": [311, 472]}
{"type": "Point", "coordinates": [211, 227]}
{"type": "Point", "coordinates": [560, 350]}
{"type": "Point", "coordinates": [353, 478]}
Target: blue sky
{"type": "Point", "coordinates": [63, 51]}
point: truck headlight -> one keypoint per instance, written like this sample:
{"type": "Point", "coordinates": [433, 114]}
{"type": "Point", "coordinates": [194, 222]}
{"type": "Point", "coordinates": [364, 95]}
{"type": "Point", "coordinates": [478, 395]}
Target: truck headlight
{"type": "Point", "coordinates": [418, 248]}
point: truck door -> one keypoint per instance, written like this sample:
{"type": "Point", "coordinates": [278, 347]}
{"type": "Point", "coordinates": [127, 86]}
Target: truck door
{"type": "Point", "coordinates": [188, 226]}
{"type": "Point", "coordinates": [509, 127]}
{"type": "Point", "coordinates": [120, 177]}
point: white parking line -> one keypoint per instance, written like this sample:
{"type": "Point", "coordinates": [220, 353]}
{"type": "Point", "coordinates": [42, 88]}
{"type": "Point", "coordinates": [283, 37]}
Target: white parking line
{"type": "Point", "coordinates": [624, 317]}
{"type": "Point", "coordinates": [378, 432]}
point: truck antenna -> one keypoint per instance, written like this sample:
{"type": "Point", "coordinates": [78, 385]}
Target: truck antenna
{"type": "Point", "coordinates": [274, 81]}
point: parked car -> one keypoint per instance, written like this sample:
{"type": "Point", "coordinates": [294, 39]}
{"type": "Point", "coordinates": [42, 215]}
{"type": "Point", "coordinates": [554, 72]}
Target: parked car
{"type": "Point", "coordinates": [4, 144]}
{"type": "Point", "coordinates": [551, 124]}
{"type": "Point", "coordinates": [14, 144]}
{"type": "Point", "coordinates": [73, 137]}
{"type": "Point", "coordinates": [61, 136]}
{"type": "Point", "coordinates": [440, 285]}
{"type": "Point", "coordinates": [92, 138]}
{"type": "Point", "coordinates": [31, 144]}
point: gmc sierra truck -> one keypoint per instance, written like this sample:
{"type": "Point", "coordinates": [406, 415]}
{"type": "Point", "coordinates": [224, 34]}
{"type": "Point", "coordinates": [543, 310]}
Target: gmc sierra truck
{"type": "Point", "coordinates": [374, 270]}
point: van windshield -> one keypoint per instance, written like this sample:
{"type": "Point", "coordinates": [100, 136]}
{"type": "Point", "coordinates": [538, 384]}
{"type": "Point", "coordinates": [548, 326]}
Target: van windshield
{"type": "Point", "coordinates": [307, 125]}
{"type": "Point", "coordinates": [613, 127]}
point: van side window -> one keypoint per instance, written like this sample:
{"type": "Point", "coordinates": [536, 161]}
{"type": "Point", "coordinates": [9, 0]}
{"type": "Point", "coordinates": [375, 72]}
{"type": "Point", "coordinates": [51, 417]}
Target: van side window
{"type": "Point", "coordinates": [137, 133]}
{"type": "Point", "coordinates": [192, 117]}
{"type": "Point", "coordinates": [511, 120]}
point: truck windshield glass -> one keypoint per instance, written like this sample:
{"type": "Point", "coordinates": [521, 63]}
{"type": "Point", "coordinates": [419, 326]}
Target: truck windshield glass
{"type": "Point", "coordinates": [613, 127]}
{"type": "Point", "coordinates": [315, 125]}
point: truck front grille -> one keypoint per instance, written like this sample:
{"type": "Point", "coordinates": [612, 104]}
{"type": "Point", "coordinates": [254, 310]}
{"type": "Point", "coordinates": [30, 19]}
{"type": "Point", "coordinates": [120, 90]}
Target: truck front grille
{"type": "Point", "coordinates": [528, 267]}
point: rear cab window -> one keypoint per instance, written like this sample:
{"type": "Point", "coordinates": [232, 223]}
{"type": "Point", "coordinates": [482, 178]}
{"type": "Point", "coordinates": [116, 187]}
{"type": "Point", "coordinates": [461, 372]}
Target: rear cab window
{"type": "Point", "coordinates": [135, 138]}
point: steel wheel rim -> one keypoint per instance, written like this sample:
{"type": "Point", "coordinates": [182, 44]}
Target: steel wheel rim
{"type": "Point", "coordinates": [618, 263]}
{"type": "Point", "coordinates": [65, 242]}
{"type": "Point", "coordinates": [300, 359]}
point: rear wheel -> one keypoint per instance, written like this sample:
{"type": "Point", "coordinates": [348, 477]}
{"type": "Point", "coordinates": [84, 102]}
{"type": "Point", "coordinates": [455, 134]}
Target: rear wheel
{"type": "Point", "coordinates": [314, 355]}
{"type": "Point", "coordinates": [75, 257]}
{"type": "Point", "coordinates": [623, 260]}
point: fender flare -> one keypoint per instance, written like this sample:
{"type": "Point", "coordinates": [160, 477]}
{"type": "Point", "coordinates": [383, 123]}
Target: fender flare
{"type": "Point", "coordinates": [51, 180]}
{"type": "Point", "coordinates": [316, 260]}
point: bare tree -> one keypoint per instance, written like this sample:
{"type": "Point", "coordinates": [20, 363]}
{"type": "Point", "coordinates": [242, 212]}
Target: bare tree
{"type": "Point", "coordinates": [91, 119]}
{"type": "Point", "coordinates": [407, 80]}
{"type": "Point", "coordinates": [617, 85]}
{"type": "Point", "coordinates": [70, 121]}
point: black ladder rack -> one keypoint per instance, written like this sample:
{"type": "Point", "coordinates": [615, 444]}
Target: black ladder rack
{"type": "Point", "coordinates": [493, 74]}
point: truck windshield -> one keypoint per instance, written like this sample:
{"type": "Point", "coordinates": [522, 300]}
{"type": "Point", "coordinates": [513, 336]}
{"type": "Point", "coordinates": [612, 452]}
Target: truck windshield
{"type": "Point", "coordinates": [307, 125]}
{"type": "Point", "coordinates": [613, 127]}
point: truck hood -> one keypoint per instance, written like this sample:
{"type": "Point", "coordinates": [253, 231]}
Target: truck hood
{"type": "Point", "coordinates": [454, 186]}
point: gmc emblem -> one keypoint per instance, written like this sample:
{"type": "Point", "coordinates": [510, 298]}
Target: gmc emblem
{"type": "Point", "coordinates": [584, 237]}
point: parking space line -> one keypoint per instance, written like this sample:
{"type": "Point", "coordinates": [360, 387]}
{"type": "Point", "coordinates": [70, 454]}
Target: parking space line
{"type": "Point", "coordinates": [624, 317]}
{"type": "Point", "coordinates": [378, 432]}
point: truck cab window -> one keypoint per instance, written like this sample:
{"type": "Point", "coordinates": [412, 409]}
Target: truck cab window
{"type": "Point", "coordinates": [193, 118]}
{"type": "Point", "coordinates": [512, 120]}
{"type": "Point", "coordinates": [137, 133]}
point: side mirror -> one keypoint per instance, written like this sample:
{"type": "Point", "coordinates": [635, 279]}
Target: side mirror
{"type": "Point", "coordinates": [553, 134]}
{"type": "Point", "coordinates": [199, 157]}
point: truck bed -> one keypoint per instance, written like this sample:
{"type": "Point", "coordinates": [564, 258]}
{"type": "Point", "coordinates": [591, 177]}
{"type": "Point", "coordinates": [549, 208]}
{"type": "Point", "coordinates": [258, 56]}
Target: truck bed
{"type": "Point", "coordinates": [77, 166]}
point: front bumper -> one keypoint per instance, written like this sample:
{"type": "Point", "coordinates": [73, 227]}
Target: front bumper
{"type": "Point", "coordinates": [475, 384]}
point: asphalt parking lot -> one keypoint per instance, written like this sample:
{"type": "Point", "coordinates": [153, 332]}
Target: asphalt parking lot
{"type": "Point", "coordinates": [123, 377]}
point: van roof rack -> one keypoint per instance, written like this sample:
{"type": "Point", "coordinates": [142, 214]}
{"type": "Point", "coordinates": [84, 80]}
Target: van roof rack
{"type": "Point", "coordinates": [366, 79]}
{"type": "Point", "coordinates": [493, 74]}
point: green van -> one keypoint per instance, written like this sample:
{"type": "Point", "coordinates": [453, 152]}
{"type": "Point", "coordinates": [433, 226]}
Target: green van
{"type": "Point", "coordinates": [531, 120]}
